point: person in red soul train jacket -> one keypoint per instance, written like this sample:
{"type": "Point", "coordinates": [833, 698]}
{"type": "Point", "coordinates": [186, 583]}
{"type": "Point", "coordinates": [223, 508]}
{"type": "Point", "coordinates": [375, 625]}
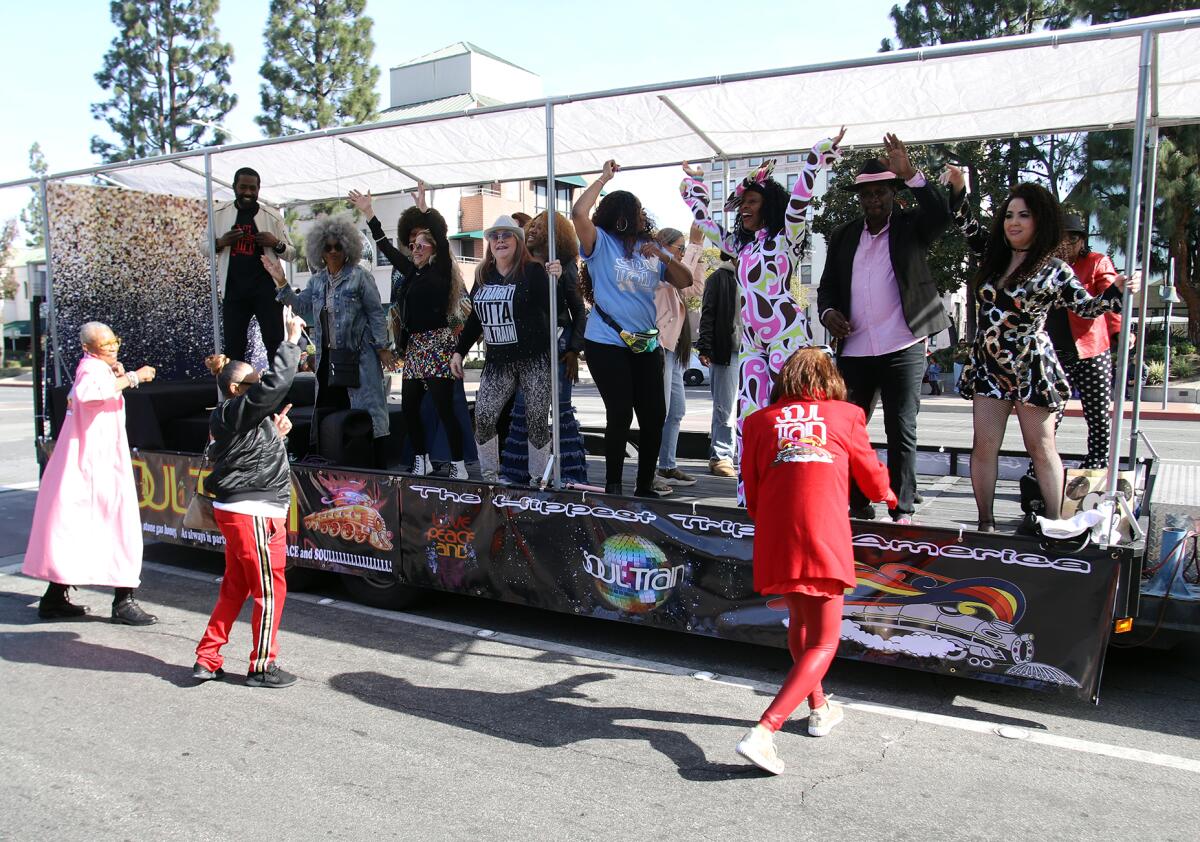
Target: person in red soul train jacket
{"type": "Point", "coordinates": [799, 455]}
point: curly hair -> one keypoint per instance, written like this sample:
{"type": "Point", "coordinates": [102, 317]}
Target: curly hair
{"type": "Point", "coordinates": [620, 214]}
{"type": "Point", "coordinates": [775, 198]}
{"type": "Point", "coordinates": [339, 227]}
{"type": "Point", "coordinates": [566, 241]}
{"type": "Point", "coordinates": [442, 264]}
{"type": "Point", "coordinates": [1047, 237]}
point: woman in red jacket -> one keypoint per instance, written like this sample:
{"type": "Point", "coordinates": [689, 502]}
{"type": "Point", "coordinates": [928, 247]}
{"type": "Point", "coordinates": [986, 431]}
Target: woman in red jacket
{"type": "Point", "coordinates": [798, 456]}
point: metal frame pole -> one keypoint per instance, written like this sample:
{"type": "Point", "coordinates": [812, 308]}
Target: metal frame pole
{"type": "Point", "coordinates": [1131, 256]}
{"type": "Point", "coordinates": [1144, 296]}
{"type": "Point", "coordinates": [551, 191]}
{"type": "Point", "coordinates": [1170, 279]}
{"type": "Point", "coordinates": [212, 254]}
{"type": "Point", "coordinates": [55, 348]}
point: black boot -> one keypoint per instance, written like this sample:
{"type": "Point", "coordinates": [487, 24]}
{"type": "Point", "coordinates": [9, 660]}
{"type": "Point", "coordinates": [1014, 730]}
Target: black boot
{"type": "Point", "coordinates": [56, 605]}
{"type": "Point", "coordinates": [126, 611]}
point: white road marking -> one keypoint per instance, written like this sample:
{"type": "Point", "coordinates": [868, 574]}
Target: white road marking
{"type": "Point", "coordinates": [1153, 758]}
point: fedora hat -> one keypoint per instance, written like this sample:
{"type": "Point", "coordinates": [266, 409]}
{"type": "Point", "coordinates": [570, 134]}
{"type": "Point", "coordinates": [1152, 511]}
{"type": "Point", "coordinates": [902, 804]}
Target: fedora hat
{"type": "Point", "coordinates": [874, 172]}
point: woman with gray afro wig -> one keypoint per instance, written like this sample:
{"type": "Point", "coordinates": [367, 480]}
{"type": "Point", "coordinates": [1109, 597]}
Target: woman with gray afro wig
{"type": "Point", "coordinates": [346, 324]}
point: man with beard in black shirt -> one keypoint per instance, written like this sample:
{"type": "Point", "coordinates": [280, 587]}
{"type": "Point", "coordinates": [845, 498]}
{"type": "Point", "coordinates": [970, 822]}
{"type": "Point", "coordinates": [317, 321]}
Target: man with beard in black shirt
{"type": "Point", "coordinates": [248, 229]}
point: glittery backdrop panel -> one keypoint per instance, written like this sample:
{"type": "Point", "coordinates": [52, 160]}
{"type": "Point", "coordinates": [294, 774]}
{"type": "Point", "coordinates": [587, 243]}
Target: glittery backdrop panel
{"type": "Point", "coordinates": [132, 260]}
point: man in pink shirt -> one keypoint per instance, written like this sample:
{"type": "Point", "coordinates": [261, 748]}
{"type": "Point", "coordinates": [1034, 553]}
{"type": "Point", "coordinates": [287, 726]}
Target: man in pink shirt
{"type": "Point", "coordinates": [879, 301]}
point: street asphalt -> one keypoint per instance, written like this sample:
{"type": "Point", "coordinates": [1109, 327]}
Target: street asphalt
{"type": "Point", "coordinates": [467, 719]}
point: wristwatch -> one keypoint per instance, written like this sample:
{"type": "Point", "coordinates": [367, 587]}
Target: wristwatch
{"type": "Point", "coordinates": [280, 247]}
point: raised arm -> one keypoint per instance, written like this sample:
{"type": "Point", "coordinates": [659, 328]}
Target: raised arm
{"type": "Point", "coordinates": [695, 196]}
{"type": "Point", "coordinates": [398, 257]}
{"type": "Point", "coordinates": [581, 211]}
{"type": "Point", "coordinates": [795, 222]}
{"type": "Point", "coordinates": [1075, 297]}
{"type": "Point", "coordinates": [965, 219]}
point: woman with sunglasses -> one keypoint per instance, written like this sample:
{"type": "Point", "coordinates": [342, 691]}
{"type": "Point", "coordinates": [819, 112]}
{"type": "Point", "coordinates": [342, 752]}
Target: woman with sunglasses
{"type": "Point", "coordinates": [510, 310]}
{"type": "Point", "coordinates": [86, 527]}
{"type": "Point", "coordinates": [427, 312]}
{"type": "Point", "coordinates": [346, 324]}
{"type": "Point", "coordinates": [626, 266]}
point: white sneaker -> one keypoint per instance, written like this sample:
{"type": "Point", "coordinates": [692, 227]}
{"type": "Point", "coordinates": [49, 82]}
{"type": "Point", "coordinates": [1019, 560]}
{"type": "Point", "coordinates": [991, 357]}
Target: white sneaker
{"type": "Point", "coordinates": [823, 720]}
{"type": "Point", "coordinates": [421, 465]}
{"type": "Point", "coordinates": [758, 746]}
{"type": "Point", "coordinates": [458, 470]}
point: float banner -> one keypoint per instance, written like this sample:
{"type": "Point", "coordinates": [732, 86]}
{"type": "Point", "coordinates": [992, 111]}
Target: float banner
{"type": "Point", "coordinates": [340, 521]}
{"type": "Point", "coordinates": [1000, 608]}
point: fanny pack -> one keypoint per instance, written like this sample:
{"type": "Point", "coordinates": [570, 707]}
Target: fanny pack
{"type": "Point", "coordinates": [638, 341]}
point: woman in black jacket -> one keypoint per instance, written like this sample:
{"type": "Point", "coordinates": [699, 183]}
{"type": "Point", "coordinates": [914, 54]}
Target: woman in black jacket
{"type": "Point", "coordinates": [426, 315]}
{"type": "Point", "coordinates": [510, 310]}
{"type": "Point", "coordinates": [572, 320]}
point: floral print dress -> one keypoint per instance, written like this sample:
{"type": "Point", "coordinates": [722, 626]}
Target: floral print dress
{"type": "Point", "coordinates": [1013, 358]}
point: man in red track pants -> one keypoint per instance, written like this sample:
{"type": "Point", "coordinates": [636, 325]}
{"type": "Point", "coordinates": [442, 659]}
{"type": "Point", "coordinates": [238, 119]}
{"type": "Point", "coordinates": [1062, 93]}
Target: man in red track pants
{"type": "Point", "coordinates": [251, 483]}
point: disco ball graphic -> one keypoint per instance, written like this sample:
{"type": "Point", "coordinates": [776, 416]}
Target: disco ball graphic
{"type": "Point", "coordinates": [633, 574]}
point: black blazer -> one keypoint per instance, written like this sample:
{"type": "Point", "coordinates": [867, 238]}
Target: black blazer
{"type": "Point", "coordinates": [912, 233]}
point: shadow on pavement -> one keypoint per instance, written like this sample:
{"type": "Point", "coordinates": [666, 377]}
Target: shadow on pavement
{"type": "Point", "coordinates": [544, 717]}
{"type": "Point", "coordinates": [64, 649]}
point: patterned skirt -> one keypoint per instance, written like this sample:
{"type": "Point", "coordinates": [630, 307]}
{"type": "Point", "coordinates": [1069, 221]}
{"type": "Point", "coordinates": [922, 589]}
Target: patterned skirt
{"type": "Point", "coordinates": [428, 354]}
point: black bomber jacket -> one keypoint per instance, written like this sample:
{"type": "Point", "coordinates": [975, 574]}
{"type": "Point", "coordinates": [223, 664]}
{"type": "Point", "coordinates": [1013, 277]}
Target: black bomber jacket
{"type": "Point", "coordinates": [249, 458]}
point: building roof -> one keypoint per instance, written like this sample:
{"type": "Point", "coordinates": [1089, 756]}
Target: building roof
{"type": "Point", "coordinates": [457, 49]}
{"type": "Point", "coordinates": [446, 105]}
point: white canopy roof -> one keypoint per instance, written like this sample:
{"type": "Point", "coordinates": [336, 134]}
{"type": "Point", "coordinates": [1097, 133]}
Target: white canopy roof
{"type": "Point", "coordinates": [1039, 84]}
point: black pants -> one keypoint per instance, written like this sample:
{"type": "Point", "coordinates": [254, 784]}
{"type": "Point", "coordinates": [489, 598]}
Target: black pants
{"type": "Point", "coordinates": [896, 377]}
{"type": "Point", "coordinates": [629, 383]}
{"type": "Point", "coordinates": [235, 317]}
{"type": "Point", "coordinates": [412, 394]}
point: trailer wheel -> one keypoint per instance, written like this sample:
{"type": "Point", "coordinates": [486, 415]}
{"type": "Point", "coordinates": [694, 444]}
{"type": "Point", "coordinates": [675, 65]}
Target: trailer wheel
{"type": "Point", "coordinates": [380, 590]}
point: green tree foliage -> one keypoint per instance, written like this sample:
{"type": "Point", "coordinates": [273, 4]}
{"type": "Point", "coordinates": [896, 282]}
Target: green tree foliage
{"type": "Point", "coordinates": [167, 74]}
{"type": "Point", "coordinates": [31, 217]}
{"type": "Point", "coordinates": [318, 71]}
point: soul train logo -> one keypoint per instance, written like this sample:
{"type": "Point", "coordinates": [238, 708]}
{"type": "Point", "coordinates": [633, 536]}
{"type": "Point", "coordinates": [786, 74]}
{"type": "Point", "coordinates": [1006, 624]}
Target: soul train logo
{"type": "Point", "coordinates": [632, 574]}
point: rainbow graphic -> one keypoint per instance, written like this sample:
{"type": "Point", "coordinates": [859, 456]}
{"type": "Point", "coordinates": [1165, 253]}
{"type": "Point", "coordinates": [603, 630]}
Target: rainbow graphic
{"type": "Point", "coordinates": [901, 584]}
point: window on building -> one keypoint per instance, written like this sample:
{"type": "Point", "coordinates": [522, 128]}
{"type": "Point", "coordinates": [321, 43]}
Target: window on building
{"type": "Point", "coordinates": [754, 162]}
{"type": "Point", "coordinates": [717, 165]}
{"type": "Point", "coordinates": [539, 197]}
{"type": "Point", "coordinates": [791, 180]}
{"type": "Point", "coordinates": [735, 164]}
{"type": "Point", "coordinates": [793, 158]}
{"type": "Point", "coordinates": [806, 273]}
{"type": "Point", "coordinates": [371, 255]}
{"type": "Point", "coordinates": [718, 191]}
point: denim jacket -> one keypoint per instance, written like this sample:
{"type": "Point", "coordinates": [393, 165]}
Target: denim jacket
{"type": "Point", "coordinates": [357, 318]}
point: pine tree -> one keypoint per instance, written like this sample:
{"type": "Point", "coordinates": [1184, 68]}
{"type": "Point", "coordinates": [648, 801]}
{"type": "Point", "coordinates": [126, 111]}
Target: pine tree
{"type": "Point", "coordinates": [319, 71]}
{"type": "Point", "coordinates": [31, 217]}
{"type": "Point", "coordinates": [8, 278]}
{"type": "Point", "coordinates": [167, 73]}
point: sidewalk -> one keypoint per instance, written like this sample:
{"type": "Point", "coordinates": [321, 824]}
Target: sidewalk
{"type": "Point", "coordinates": [23, 380]}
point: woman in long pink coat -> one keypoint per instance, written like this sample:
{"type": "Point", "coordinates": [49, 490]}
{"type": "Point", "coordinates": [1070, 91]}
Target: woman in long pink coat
{"type": "Point", "coordinates": [86, 527]}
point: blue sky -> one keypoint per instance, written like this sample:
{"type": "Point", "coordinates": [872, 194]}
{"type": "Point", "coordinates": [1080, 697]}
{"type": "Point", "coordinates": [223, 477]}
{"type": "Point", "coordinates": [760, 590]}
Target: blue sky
{"type": "Point", "coordinates": [54, 48]}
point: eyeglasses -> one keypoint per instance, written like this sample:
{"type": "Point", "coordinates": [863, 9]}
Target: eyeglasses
{"type": "Point", "coordinates": [332, 247]}
{"type": "Point", "coordinates": [113, 344]}
{"type": "Point", "coordinates": [421, 243]}
{"type": "Point", "coordinates": [500, 236]}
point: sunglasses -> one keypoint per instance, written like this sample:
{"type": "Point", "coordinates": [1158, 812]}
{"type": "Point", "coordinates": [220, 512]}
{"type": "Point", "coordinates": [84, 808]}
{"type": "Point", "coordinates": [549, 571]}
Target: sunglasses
{"type": "Point", "coordinates": [332, 247]}
{"type": "Point", "coordinates": [500, 236]}
{"type": "Point", "coordinates": [419, 243]}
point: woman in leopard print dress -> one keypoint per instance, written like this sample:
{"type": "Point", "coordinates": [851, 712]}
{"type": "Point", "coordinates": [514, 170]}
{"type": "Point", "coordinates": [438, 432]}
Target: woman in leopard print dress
{"type": "Point", "coordinates": [1013, 361]}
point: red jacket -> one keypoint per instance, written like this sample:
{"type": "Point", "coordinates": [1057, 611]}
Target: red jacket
{"type": "Point", "coordinates": [1092, 336]}
{"type": "Point", "coordinates": [797, 458]}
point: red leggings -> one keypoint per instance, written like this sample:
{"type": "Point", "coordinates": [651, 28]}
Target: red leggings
{"type": "Point", "coordinates": [814, 628]}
